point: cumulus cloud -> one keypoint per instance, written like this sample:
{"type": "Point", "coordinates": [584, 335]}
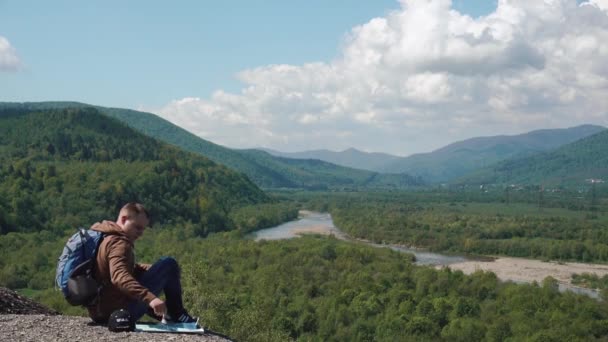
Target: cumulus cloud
{"type": "Point", "coordinates": [421, 77]}
{"type": "Point", "coordinates": [8, 56]}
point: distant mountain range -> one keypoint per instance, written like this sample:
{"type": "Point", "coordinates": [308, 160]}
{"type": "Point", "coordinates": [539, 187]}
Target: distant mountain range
{"type": "Point", "coordinates": [576, 163]}
{"type": "Point", "coordinates": [460, 158]}
{"type": "Point", "coordinates": [457, 159]}
{"type": "Point", "coordinates": [371, 161]}
{"type": "Point", "coordinates": [262, 168]}
{"type": "Point", "coordinates": [477, 160]}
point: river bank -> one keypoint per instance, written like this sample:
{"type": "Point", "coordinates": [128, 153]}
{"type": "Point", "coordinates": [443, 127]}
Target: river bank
{"type": "Point", "coordinates": [530, 270]}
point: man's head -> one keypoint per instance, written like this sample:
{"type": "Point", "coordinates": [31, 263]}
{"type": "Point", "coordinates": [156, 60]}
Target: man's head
{"type": "Point", "coordinates": [133, 218]}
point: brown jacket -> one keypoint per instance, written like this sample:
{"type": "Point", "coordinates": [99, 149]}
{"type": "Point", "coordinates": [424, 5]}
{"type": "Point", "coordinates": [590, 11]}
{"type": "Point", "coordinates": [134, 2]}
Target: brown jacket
{"type": "Point", "coordinates": [116, 270]}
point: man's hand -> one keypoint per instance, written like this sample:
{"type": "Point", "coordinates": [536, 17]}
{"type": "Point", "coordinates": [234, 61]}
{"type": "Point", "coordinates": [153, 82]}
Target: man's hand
{"type": "Point", "coordinates": [158, 306]}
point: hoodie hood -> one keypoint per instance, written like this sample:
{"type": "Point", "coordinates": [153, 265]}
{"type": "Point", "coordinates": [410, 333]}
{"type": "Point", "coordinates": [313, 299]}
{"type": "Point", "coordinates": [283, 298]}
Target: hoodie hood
{"type": "Point", "coordinates": [108, 227]}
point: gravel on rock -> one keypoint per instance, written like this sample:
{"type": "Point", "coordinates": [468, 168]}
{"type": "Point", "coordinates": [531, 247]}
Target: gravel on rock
{"type": "Point", "coordinates": [57, 328]}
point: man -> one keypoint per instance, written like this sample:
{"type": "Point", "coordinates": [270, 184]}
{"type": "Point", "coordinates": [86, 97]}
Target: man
{"type": "Point", "coordinates": [131, 286]}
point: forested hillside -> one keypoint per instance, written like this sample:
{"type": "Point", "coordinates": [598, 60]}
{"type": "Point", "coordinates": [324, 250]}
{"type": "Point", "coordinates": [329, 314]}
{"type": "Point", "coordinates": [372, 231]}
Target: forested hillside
{"type": "Point", "coordinates": [574, 164]}
{"type": "Point", "coordinates": [262, 168]}
{"type": "Point", "coordinates": [68, 167]}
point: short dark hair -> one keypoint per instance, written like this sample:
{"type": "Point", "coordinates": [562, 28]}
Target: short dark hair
{"type": "Point", "coordinates": [135, 208]}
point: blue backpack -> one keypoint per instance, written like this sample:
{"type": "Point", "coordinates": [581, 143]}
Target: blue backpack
{"type": "Point", "coordinates": [75, 268]}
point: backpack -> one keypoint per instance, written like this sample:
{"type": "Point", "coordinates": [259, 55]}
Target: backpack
{"type": "Point", "coordinates": [75, 268]}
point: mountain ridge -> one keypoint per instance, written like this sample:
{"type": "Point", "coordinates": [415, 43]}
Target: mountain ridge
{"type": "Point", "coordinates": [262, 168]}
{"type": "Point", "coordinates": [270, 171]}
{"type": "Point", "coordinates": [456, 159]}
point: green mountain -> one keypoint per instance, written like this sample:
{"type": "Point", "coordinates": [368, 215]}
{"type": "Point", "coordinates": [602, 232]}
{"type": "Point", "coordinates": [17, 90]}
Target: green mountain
{"type": "Point", "coordinates": [572, 164]}
{"type": "Point", "coordinates": [371, 161]}
{"type": "Point", "coordinates": [460, 158]}
{"type": "Point", "coordinates": [60, 168]}
{"type": "Point", "coordinates": [318, 174]}
{"type": "Point", "coordinates": [262, 168]}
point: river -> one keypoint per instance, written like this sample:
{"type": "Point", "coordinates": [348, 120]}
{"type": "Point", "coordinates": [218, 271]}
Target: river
{"type": "Point", "coordinates": [517, 270]}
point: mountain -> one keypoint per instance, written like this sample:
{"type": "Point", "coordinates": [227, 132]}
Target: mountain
{"type": "Point", "coordinates": [318, 174]}
{"type": "Point", "coordinates": [350, 158]}
{"type": "Point", "coordinates": [262, 168]}
{"type": "Point", "coordinates": [572, 164]}
{"type": "Point", "coordinates": [60, 168]}
{"type": "Point", "coordinates": [460, 158]}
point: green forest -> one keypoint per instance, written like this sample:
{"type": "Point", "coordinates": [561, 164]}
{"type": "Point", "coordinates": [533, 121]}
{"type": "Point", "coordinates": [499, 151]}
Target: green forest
{"type": "Point", "coordinates": [66, 168]}
{"type": "Point", "coordinates": [77, 165]}
{"type": "Point", "coordinates": [592, 281]}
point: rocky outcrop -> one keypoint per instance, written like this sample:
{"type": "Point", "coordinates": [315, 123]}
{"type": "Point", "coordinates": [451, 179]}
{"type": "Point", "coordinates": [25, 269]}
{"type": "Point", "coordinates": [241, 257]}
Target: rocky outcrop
{"type": "Point", "coordinates": [13, 303]}
{"type": "Point", "coordinates": [22, 319]}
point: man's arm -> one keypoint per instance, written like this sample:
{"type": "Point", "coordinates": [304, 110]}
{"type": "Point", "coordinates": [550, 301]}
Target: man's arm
{"type": "Point", "coordinates": [120, 275]}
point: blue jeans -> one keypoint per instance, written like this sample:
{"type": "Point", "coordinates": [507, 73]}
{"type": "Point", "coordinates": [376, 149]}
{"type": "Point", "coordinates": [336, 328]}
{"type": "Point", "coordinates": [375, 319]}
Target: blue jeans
{"type": "Point", "coordinates": [162, 276]}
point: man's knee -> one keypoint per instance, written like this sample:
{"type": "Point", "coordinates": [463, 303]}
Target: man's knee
{"type": "Point", "coordinates": [170, 263]}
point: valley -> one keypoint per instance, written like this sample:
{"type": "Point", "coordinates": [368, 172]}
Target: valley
{"type": "Point", "coordinates": [79, 163]}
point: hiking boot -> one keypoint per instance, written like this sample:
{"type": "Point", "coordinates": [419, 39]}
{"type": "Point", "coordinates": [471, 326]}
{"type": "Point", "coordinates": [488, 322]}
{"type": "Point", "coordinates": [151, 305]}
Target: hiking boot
{"type": "Point", "coordinates": [183, 318]}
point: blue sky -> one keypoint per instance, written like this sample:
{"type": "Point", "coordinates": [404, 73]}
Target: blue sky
{"type": "Point", "coordinates": [146, 53]}
{"type": "Point", "coordinates": [380, 75]}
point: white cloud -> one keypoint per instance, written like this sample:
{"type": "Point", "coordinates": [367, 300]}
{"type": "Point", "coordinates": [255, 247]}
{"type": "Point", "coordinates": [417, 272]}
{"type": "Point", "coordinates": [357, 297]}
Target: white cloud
{"type": "Point", "coordinates": [602, 4]}
{"type": "Point", "coordinates": [8, 56]}
{"type": "Point", "coordinates": [421, 77]}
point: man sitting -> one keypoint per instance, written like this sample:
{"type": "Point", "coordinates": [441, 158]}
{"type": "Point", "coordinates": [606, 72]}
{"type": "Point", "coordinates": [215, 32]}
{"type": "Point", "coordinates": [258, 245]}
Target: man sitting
{"type": "Point", "coordinates": [131, 286]}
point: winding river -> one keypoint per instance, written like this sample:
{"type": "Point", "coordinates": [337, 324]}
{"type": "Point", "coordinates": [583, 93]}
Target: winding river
{"type": "Point", "coordinates": [517, 270]}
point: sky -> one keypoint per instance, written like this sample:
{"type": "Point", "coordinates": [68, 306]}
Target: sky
{"type": "Point", "coordinates": [399, 77]}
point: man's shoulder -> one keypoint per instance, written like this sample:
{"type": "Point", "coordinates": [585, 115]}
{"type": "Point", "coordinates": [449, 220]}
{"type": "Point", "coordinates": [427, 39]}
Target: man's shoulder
{"type": "Point", "coordinates": [115, 240]}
